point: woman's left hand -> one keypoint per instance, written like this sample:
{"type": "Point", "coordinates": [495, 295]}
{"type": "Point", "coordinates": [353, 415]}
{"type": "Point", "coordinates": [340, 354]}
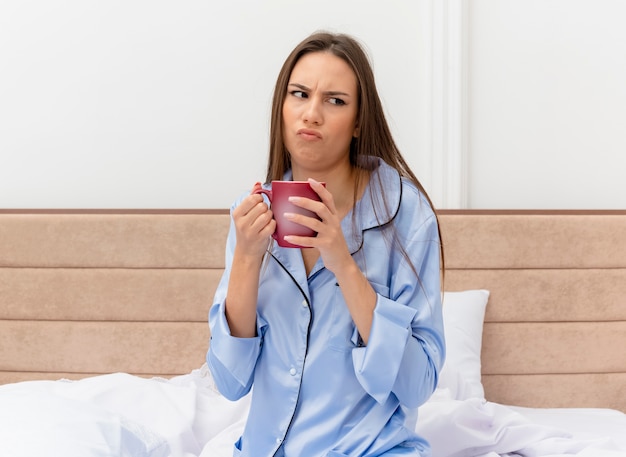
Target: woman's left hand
{"type": "Point", "coordinates": [329, 240]}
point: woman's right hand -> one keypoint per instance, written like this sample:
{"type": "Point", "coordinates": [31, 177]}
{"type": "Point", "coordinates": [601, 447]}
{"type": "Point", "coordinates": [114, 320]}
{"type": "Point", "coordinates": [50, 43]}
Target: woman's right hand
{"type": "Point", "coordinates": [254, 224]}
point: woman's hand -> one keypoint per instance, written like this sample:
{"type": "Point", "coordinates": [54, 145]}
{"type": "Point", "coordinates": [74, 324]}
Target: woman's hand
{"type": "Point", "coordinates": [254, 224]}
{"type": "Point", "coordinates": [329, 240]}
{"type": "Point", "coordinates": [358, 293]}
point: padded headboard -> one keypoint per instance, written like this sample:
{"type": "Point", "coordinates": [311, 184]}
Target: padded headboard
{"type": "Point", "coordinates": [86, 293]}
{"type": "Point", "coordinates": [555, 326]}
{"type": "Point", "coordinates": [91, 292]}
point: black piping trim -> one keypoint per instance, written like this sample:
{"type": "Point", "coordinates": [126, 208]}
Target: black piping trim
{"type": "Point", "coordinates": [306, 351]}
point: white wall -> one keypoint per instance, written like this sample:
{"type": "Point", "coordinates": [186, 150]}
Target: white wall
{"type": "Point", "coordinates": [547, 104]}
{"type": "Point", "coordinates": [164, 104]}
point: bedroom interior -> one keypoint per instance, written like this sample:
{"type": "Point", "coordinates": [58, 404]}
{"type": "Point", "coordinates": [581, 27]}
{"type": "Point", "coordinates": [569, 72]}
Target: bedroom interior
{"type": "Point", "coordinates": [512, 120]}
{"type": "Point", "coordinates": [534, 315]}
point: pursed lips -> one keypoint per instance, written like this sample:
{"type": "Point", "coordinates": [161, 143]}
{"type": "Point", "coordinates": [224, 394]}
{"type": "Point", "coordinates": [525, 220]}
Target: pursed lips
{"type": "Point", "coordinates": [308, 134]}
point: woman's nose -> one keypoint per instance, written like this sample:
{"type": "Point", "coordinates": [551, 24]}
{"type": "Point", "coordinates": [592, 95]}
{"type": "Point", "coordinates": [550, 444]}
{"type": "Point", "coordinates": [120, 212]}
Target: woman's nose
{"type": "Point", "coordinates": [313, 112]}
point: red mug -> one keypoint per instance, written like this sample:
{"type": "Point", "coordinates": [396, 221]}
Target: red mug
{"type": "Point", "coordinates": [280, 204]}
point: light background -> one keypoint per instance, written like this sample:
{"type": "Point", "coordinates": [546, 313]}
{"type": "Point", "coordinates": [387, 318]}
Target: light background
{"type": "Point", "coordinates": [164, 104]}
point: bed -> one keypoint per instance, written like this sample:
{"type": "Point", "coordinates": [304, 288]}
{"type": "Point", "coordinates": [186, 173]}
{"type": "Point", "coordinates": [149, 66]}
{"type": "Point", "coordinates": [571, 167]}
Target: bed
{"type": "Point", "coordinates": [103, 333]}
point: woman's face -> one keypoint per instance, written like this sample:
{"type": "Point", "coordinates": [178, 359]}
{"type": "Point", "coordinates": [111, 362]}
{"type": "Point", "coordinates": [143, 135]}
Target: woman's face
{"type": "Point", "coordinates": [320, 114]}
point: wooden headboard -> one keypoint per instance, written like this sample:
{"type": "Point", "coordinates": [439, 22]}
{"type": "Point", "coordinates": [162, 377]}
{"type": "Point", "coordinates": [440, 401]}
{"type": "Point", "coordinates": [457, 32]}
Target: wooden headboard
{"type": "Point", "coordinates": [91, 292]}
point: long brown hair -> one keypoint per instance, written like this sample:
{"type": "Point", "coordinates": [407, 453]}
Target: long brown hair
{"type": "Point", "coordinates": [374, 137]}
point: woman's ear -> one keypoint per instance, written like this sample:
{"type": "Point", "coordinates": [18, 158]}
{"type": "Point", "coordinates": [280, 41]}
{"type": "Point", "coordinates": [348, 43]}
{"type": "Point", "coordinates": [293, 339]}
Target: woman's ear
{"type": "Point", "coordinates": [355, 134]}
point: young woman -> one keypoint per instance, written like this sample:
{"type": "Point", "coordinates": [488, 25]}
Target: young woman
{"type": "Point", "coordinates": [341, 340]}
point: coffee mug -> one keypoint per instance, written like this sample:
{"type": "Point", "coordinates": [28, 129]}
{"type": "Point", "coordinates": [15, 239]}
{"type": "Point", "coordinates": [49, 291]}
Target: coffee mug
{"type": "Point", "coordinates": [280, 204]}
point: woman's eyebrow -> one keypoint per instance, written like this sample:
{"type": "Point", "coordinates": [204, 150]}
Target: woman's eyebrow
{"type": "Point", "coordinates": [329, 92]}
{"type": "Point", "coordinates": [299, 86]}
{"type": "Point", "coordinates": [336, 92]}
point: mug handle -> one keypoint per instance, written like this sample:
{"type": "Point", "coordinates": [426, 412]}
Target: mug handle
{"type": "Point", "coordinates": [268, 194]}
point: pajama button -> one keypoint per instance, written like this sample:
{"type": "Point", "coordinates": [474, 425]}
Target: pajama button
{"type": "Point", "coordinates": [304, 303]}
{"type": "Point", "coordinates": [292, 372]}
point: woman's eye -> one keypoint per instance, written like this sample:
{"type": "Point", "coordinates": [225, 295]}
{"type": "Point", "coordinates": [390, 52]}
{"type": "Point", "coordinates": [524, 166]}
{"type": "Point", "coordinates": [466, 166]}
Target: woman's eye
{"type": "Point", "coordinates": [336, 101]}
{"type": "Point", "coordinates": [298, 93]}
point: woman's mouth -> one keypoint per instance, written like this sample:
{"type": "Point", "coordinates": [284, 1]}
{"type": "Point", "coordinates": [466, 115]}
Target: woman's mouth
{"type": "Point", "coordinates": [309, 134]}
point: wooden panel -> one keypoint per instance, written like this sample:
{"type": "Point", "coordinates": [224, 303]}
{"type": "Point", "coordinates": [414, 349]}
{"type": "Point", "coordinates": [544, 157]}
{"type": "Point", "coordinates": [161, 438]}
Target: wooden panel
{"type": "Point", "coordinates": [113, 240]}
{"type": "Point", "coordinates": [585, 390]}
{"type": "Point", "coordinates": [558, 347]}
{"type": "Point", "coordinates": [107, 294]}
{"type": "Point", "coordinates": [103, 347]}
{"type": "Point", "coordinates": [547, 295]}
{"type": "Point", "coordinates": [534, 241]}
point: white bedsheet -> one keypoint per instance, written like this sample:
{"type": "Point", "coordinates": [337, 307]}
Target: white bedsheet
{"type": "Point", "coordinates": [124, 415]}
{"type": "Point", "coordinates": [597, 422]}
{"type": "Point", "coordinates": [475, 427]}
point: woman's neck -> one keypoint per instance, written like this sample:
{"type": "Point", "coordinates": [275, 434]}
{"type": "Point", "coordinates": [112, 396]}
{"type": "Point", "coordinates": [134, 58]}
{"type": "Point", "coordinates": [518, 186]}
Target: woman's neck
{"type": "Point", "coordinates": [340, 183]}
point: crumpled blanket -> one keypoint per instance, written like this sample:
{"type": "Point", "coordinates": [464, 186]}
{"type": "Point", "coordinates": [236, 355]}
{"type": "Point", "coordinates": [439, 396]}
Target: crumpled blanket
{"type": "Point", "coordinates": [124, 415]}
{"type": "Point", "coordinates": [478, 428]}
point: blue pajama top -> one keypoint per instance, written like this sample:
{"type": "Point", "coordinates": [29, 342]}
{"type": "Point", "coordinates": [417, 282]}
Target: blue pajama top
{"type": "Point", "coordinates": [317, 389]}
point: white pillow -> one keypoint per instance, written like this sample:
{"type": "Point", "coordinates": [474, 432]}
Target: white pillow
{"type": "Point", "coordinates": [463, 316]}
